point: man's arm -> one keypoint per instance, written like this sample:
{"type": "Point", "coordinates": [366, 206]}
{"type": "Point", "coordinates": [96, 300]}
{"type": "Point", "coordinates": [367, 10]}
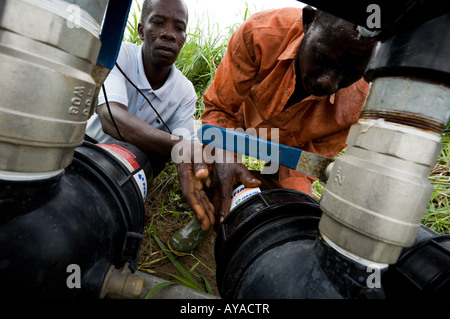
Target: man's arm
{"type": "Point", "coordinates": [134, 130]}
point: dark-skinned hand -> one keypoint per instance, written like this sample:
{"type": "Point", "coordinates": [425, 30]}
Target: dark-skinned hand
{"type": "Point", "coordinates": [224, 175]}
{"type": "Point", "coordinates": [191, 176]}
{"type": "Point", "coordinates": [192, 172]}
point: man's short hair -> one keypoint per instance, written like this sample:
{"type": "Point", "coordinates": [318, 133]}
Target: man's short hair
{"type": "Point", "coordinates": [145, 10]}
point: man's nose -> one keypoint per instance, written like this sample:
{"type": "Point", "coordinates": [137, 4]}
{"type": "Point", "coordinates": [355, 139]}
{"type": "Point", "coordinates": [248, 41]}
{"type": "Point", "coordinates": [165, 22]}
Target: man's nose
{"type": "Point", "coordinates": [329, 81]}
{"type": "Point", "coordinates": [168, 33]}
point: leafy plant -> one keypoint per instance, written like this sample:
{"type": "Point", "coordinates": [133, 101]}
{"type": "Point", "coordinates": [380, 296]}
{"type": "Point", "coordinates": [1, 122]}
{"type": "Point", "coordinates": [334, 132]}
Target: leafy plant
{"type": "Point", "coordinates": [132, 34]}
{"type": "Point", "coordinates": [437, 215]}
{"type": "Point", "coordinates": [200, 56]}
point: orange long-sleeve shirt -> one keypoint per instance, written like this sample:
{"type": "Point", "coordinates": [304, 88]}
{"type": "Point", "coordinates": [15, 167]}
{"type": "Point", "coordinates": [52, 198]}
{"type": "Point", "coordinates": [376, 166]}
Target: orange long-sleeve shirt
{"type": "Point", "coordinates": [255, 80]}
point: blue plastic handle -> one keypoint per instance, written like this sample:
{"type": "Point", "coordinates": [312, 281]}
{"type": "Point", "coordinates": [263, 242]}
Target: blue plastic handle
{"type": "Point", "coordinates": [114, 25]}
{"type": "Point", "coordinates": [249, 145]}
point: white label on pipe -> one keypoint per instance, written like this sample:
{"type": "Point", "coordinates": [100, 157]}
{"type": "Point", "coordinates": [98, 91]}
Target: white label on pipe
{"type": "Point", "coordinates": [241, 193]}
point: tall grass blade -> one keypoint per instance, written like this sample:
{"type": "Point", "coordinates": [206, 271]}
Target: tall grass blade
{"type": "Point", "coordinates": [207, 284]}
{"type": "Point", "coordinates": [186, 278]}
{"type": "Point", "coordinates": [159, 287]}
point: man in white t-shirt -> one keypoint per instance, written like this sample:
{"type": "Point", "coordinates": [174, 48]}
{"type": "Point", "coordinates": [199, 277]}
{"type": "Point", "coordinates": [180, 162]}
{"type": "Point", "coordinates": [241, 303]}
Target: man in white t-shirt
{"type": "Point", "coordinates": [150, 67]}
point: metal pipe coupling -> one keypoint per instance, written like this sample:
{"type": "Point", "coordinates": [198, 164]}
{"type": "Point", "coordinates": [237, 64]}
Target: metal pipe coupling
{"type": "Point", "coordinates": [47, 53]}
{"type": "Point", "coordinates": [377, 191]}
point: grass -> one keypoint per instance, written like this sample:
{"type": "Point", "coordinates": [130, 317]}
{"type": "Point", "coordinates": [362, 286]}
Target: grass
{"type": "Point", "coordinates": [186, 278]}
{"type": "Point", "coordinates": [437, 215]}
{"type": "Point", "coordinates": [132, 34]}
{"type": "Point", "coordinates": [198, 60]}
{"type": "Point", "coordinates": [201, 54]}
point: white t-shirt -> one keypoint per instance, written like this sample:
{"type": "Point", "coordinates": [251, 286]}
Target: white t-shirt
{"type": "Point", "coordinates": [174, 101]}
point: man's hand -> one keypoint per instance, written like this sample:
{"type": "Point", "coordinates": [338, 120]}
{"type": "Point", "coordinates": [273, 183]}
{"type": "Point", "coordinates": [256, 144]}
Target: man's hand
{"type": "Point", "coordinates": [190, 176]}
{"type": "Point", "coordinates": [224, 176]}
{"type": "Point", "coordinates": [192, 172]}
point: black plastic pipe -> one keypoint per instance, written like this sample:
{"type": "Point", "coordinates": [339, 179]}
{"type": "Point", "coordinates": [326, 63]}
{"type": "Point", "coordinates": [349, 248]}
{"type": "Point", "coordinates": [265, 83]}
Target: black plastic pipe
{"type": "Point", "coordinates": [269, 246]}
{"type": "Point", "coordinates": [88, 218]}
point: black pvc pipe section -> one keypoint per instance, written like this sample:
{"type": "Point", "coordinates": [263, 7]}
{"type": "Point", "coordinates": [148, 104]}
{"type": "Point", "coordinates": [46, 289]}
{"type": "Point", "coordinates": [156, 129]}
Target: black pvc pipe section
{"type": "Point", "coordinates": [395, 16]}
{"type": "Point", "coordinates": [269, 247]}
{"type": "Point", "coordinates": [90, 216]}
{"type": "Point", "coordinates": [422, 271]}
{"type": "Point", "coordinates": [419, 52]}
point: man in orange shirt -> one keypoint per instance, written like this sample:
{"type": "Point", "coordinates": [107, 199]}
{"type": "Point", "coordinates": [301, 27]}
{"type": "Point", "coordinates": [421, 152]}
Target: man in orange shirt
{"type": "Point", "coordinates": [298, 70]}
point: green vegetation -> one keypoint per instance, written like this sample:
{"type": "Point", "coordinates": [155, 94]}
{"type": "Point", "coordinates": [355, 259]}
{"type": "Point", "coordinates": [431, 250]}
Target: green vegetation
{"type": "Point", "coordinates": [187, 279]}
{"type": "Point", "coordinates": [437, 215]}
{"type": "Point", "coordinates": [200, 57]}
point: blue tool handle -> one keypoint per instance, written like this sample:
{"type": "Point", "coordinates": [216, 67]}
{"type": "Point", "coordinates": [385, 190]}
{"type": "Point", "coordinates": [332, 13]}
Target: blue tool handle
{"type": "Point", "coordinates": [114, 24]}
{"type": "Point", "coordinates": [249, 145]}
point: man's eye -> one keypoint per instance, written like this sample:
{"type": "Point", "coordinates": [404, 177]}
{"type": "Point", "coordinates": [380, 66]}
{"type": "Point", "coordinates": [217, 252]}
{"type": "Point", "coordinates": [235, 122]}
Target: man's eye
{"type": "Point", "coordinates": [158, 22]}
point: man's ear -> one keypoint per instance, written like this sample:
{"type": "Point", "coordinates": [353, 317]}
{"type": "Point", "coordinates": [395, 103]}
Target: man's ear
{"type": "Point", "coordinates": [309, 13]}
{"type": "Point", "coordinates": [141, 30]}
